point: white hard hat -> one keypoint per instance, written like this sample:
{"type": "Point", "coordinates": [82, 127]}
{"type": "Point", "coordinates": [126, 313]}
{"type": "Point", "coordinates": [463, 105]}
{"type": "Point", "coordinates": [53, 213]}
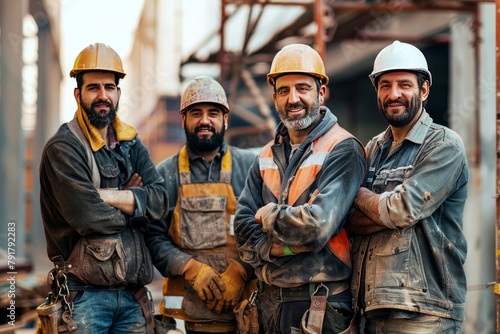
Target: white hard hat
{"type": "Point", "coordinates": [400, 56]}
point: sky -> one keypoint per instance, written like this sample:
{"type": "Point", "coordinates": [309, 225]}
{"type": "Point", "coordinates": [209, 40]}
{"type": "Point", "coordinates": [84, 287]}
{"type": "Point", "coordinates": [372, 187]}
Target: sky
{"type": "Point", "coordinates": [84, 22]}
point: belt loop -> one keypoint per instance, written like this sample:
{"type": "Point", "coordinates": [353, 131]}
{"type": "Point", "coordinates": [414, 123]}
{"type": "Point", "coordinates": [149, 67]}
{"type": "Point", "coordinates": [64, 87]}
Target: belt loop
{"type": "Point", "coordinates": [278, 293]}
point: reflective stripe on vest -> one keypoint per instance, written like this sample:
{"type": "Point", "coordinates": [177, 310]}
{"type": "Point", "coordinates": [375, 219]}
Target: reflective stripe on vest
{"type": "Point", "coordinates": [305, 177]}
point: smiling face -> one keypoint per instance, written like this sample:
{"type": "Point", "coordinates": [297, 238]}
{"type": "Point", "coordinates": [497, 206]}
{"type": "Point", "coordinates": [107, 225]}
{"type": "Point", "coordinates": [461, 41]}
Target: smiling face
{"type": "Point", "coordinates": [204, 125]}
{"type": "Point", "coordinates": [399, 97]}
{"type": "Point", "coordinates": [297, 101]}
{"type": "Point", "coordinates": [99, 97]}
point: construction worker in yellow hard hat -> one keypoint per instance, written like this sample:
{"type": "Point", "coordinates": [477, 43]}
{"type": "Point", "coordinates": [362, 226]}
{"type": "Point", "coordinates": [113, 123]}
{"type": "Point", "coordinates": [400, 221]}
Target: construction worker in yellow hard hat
{"type": "Point", "coordinates": [194, 246]}
{"type": "Point", "coordinates": [290, 216]}
{"type": "Point", "coordinates": [409, 273]}
{"type": "Point", "coordinates": [99, 189]}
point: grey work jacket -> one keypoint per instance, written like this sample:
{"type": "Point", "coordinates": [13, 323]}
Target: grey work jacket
{"type": "Point", "coordinates": [311, 225]}
{"type": "Point", "coordinates": [71, 206]}
{"type": "Point", "coordinates": [416, 264]}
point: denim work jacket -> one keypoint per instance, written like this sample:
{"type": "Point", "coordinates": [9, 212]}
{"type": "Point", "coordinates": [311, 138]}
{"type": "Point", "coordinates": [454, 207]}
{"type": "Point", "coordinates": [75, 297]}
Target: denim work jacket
{"type": "Point", "coordinates": [416, 264]}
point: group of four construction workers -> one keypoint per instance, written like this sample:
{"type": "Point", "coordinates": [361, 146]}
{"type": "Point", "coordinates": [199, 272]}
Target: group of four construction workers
{"type": "Point", "coordinates": [315, 234]}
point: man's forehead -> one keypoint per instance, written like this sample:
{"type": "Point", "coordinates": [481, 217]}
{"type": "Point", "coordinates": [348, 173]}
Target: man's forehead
{"type": "Point", "coordinates": [398, 76]}
{"type": "Point", "coordinates": [205, 105]}
{"type": "Point", "coordinates": [294, 79]}
{"type": "Point", "coordinates": [98, 77]}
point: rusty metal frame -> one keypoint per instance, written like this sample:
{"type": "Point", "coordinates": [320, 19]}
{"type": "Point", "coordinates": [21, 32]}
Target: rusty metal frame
{"type": "Point", "coordinates": [497, 199]}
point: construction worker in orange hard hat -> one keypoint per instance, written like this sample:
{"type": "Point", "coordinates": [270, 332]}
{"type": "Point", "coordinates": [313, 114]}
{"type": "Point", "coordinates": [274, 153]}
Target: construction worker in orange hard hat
{"type": "Point", "coordinates": [290, 216]}
{"type": "Point", "coordinates": [99, 190]}
{"type": "Point", "coordinates": [194, 246]}
{"type": "Point", "coordinates": [410, 208]}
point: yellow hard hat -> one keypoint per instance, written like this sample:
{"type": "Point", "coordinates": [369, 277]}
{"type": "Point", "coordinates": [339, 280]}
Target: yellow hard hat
{"type": "Point", "coordinates": [98, 57]}
{"type": "Point", "coordinates": [204, 89]}
{"type": "Point", "coordinates": [297, 58]}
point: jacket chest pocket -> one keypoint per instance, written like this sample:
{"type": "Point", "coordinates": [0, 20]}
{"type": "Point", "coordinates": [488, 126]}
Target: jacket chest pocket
{"type": "Point", "coordinates": [388, 179]}
{"type": "Point", "coordinates": [203, 222]}
{"type": "Point", "coordinates": [109, 176]}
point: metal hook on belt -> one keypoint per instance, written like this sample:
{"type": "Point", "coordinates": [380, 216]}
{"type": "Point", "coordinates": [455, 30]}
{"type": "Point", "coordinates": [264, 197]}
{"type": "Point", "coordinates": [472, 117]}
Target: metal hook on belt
{"type": "Point", "coordinates": [321, 285]}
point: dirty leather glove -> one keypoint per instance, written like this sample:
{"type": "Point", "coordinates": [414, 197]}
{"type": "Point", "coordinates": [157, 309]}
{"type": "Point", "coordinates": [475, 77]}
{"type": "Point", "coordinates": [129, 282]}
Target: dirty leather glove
{"type": "Point", "coordinates": [234, 277]}
{"type": "Point", "coordinates": [205, 280]}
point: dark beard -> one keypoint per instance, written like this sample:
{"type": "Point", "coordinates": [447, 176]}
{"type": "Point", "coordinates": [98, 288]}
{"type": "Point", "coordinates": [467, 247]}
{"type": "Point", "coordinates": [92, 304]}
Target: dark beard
{"type": "Point", "coordinates": [95, 119]}
{"type": "Point", "coordinates": [408, 115]}
{"type": "Point", "coordinates": [204, 144]}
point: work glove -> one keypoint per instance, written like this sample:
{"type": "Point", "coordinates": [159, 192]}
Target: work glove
{"type": "Point", "coordinates": [205, 280]}
{"type": "Point", "coordinates": [234, 278]}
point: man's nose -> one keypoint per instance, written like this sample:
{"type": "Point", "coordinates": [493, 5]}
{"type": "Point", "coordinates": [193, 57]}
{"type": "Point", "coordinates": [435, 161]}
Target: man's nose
{"type": "Point", "coordinates": [101, 94]}
{"type": "Point", "coordinates": [204, 119]}
{"type": "Point", "coordinates": [394, 93]}
{"type": "Point", "coordinates": [293, 97]}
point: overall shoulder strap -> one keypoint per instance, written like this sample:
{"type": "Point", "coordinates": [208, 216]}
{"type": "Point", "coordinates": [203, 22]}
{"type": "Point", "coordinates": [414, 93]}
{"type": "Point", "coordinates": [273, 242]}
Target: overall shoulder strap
{"type": "Point", "coordinates": [184, 172]}
{"type": "Point", "coordinates": [77, 131]}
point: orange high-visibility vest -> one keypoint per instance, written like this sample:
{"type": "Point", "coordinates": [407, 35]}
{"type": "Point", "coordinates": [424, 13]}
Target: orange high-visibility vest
{"type": "Point", "coordinates": [305, 177]}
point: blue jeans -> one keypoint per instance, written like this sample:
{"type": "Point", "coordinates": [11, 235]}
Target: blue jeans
{"type": "Point", "coordinates": [423, 324]}
{"type": "Point", "coordinates": [103, 312]}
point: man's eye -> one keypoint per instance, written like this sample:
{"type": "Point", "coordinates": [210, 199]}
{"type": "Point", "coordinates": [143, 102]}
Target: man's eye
{"type": "Point", "coordinates": [282, 92]}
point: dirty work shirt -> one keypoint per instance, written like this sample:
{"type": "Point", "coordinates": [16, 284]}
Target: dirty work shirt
{"type": "Point", "coordinates": [71, 206]}
{"type": "Point", "coordinates": [167, 257]}
{"type": "Point", "coordinates": [301, 224]}
{"type": "Point", "coordinates": [416, 264]}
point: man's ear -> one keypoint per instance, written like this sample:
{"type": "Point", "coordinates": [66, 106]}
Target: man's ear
{"type": "Point", "coordinates": [119, 93]}
{"type": "Point", "coordinates": [274, 98]}
{"type": "Point", "coordinates": [322, 94]}
{"type": "Point", "coordinates": [183, 120]}
{"type": "Point", "coordinates": [76, 92]}
{"type": "Point", "coordinates": [225, 121]}
{"type": "Point", "coordinates": [425, 90]}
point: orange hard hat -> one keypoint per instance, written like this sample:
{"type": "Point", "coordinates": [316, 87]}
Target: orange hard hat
{"type": "Point", "coordinates": [204, 89]}
{"type": "Point", "coordinates": [297, 58]}
{"type": "Point", "coordinates": [98, 57]}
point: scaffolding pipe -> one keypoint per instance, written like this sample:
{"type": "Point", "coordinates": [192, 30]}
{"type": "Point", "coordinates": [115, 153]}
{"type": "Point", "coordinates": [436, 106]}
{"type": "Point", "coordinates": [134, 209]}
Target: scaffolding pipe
{"type": "Point", "coordinates": [496, 288]}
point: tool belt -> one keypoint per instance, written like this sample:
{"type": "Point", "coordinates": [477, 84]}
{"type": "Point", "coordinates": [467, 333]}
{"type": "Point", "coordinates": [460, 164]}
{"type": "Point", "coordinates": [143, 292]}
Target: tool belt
{"type": "Point", "coordinates": [299, 293]}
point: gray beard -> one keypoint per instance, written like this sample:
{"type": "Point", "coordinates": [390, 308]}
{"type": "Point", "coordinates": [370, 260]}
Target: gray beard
{"type": "Point", "coordinates": [301, 124]}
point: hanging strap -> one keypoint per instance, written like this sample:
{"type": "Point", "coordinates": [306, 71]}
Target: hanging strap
{"type": "Point", "coordinates": [77, 131]}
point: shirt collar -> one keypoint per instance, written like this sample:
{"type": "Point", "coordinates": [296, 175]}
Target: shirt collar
{"type": "Point", "coordinates": [417, 133]}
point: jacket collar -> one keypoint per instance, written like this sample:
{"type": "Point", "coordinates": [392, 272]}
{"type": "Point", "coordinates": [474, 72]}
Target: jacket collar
{"type": "Point", "coordinates": [417, 133]}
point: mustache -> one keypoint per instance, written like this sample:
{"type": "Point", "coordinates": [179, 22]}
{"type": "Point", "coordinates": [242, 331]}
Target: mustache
{"type": "Point", "coordinates": [400, 100]}
{"type": "Point", "coordinates": [295, 105]}
{"type": "Point", "coordinates": [201, 128]}
{"type": "Point", "coordinates": [100, 102]}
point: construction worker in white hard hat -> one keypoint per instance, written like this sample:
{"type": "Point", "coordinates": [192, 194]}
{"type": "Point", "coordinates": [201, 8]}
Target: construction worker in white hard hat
{"type": "Point", "coordinates": [99, 190]}
{"type": "Point", "coordinates": [290, 216]}
{"type": "Point", "coordinates": [194, 246]}
{"type": "Point", "coordinates": [410, 249]}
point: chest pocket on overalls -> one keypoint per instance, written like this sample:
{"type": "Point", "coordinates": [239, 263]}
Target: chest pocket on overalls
{"type": "Point", "coordinates": [203, 222]}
